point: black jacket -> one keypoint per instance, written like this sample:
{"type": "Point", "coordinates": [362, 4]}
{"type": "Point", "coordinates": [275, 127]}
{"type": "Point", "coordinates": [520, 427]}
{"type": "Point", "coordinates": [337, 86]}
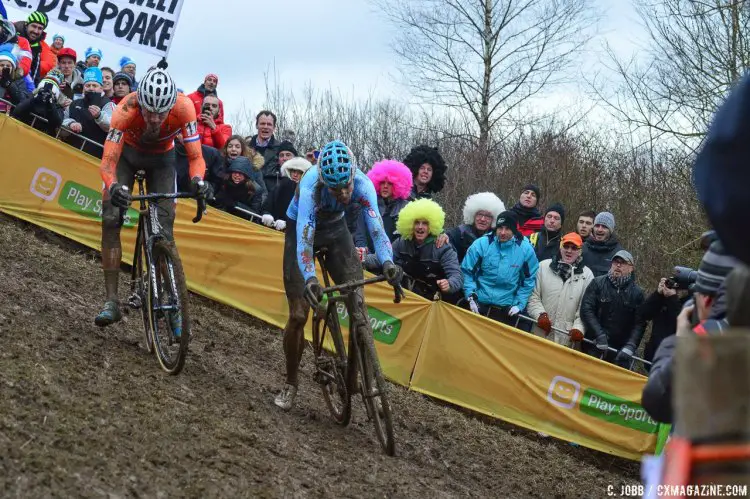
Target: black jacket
{"type": "Point", "coordinates": [546, 243]}
{"type": "Point", "coordinates": [16, 92]}
{"type": "Point", "coordinates": [214, 163]}
{"type": "Point", "coordinates": [608, 310]}
{"type": "Point", "coordinates": [278, 202]}
{"type": "Point", "coordinates": [51, 111]}
{"type": "Point", "coordinates": [462, 237]}
{"type": "Point", "coordinates": [657, 394]}
{"type": "Point", "coordinates": [79, 111]}
{"type": "Point", "coordinates": [598, 255]}
{"type": "Point", "coordinates": [663, 311]}
{"type": "Point", "coordinates": [389, 211]}
{"type": "Point", "coordinates": [271, 170]}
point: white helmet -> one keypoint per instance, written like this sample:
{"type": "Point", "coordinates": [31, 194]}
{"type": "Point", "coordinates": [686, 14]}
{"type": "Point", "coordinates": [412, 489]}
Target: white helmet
{"type": "Point", "coordinates": [156, 91]}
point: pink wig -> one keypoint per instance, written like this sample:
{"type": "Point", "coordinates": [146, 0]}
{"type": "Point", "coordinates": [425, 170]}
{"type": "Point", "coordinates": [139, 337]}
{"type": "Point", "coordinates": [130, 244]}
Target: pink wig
{"type": "Point", "coordinates": [394, 172]}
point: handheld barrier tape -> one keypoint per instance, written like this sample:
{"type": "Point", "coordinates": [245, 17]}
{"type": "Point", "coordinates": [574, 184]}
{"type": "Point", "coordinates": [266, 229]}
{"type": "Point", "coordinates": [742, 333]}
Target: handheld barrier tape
{"type": "Point", "coordinates": [430, 347]}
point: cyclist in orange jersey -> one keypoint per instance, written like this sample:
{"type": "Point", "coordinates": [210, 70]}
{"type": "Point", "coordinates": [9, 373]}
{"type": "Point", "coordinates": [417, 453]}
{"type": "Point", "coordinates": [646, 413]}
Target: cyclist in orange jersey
{"type": "Point", "coordinates": [141, 137]}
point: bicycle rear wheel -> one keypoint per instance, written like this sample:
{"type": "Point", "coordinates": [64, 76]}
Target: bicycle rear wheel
{"type": "Point", "coordinates": [375, 390]}
{"type": "Point", "coordinates": [331, 366]}
{"type": "Point", "coordinates": [169, 308]}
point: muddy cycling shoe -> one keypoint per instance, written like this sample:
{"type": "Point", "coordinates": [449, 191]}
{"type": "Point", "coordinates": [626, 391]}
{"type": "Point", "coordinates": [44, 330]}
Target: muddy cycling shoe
{"type": "Point", "coordinates": [285, 399]}
{"type": "Point", "coordinates": [109, 314]}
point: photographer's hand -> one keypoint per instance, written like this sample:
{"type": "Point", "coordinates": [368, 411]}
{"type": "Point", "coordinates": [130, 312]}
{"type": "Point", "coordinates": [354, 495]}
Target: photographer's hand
{"type": "Point", "coordinates": [683, 321]}
{"type": "Point", "coordinates": [208, 121]}
{"type": "Point", "coordinates": [76, 127]}
{"type": "Point", "coordinates": [95, 111]}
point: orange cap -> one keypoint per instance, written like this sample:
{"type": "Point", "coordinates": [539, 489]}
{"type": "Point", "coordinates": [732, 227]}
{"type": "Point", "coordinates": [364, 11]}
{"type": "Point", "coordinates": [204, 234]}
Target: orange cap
{"type": "Point", "coordinates": [572, 237]}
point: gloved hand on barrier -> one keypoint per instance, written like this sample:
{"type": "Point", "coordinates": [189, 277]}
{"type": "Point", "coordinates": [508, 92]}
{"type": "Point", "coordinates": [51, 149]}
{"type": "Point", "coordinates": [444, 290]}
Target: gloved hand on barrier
{"type": "Point", "coordinates": [267, 220]}
{"type": "Point", "coordinates": [279, 224]}
{"type": "Point", "coordinates": [601, 344]}
{"type": "Point", "coordinates": [473, 305]}
{"type": "Point", "coordinates": [544, 323]}
{"type": "Point", "coordinates": [513, 311]}
{"type": "Point", "coordinates": [576, 335]}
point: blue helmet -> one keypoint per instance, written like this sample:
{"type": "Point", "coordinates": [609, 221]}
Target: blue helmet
{"type": "Point", "coordinates": [336, 163]}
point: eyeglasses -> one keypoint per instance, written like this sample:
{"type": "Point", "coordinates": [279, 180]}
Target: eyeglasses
{"type": "Point", "coordinates": [485, 216]}
{"type": "Point", "coordinates": [620, 263]}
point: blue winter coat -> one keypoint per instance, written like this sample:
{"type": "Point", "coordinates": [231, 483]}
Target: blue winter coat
{"type": "Point", "coordinates": [501, 274]}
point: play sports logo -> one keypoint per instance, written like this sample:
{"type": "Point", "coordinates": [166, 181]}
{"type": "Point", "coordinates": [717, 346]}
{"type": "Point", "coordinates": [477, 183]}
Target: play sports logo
{"type": "Point", "coordinates": [566, 393]}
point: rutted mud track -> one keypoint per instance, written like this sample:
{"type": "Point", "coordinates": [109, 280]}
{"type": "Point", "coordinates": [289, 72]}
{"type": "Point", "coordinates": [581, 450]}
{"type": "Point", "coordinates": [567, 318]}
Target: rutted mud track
{"type": "Point", "coordinates": [86, 412]}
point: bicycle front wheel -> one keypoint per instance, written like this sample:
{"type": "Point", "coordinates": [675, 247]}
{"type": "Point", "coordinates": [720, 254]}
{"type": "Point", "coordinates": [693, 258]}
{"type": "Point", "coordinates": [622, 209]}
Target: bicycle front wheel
{"type": "Point", "coordinates": [375, 390]}
{"type": "Point", "coordinates": [142, 290]}
{"type": "Point", "coordinates": [170, 323]}
{"type": "Point", "coordinates": [331, 366]}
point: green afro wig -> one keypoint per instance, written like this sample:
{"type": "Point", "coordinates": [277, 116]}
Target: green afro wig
{"type": "Point", "coordinates": [421, 209]}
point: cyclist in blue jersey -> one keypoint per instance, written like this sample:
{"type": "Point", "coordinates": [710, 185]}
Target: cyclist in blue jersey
{"type": "Point", "coordinates": [316, 218]}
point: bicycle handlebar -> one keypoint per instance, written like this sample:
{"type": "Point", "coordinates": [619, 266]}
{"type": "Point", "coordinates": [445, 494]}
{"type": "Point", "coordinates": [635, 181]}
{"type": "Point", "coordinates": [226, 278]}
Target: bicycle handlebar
{"type": "Point", "coordinates": [585, 340]}
{"type": "Point", "coordinates": [201, 202]}
{"type": "Point", "coordinates": [398, 290]}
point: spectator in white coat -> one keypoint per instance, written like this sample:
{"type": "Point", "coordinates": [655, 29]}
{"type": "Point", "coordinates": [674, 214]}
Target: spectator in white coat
{"type": "Point", "coordinates": [556, 298]}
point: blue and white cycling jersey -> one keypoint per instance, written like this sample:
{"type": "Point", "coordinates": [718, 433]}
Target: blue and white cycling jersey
{"type": "Point", "coordinates": [304, 210]}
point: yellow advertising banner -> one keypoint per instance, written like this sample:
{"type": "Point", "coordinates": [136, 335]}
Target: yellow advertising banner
{"type": "Point", "coordinates": [434, 348]}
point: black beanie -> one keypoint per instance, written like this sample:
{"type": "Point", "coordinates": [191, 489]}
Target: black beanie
{"type": "Point", "coordinates": [559, 209]}
{"type": "Point", "coordinates": [288, 146]}
{"type": "Point", "coordinates": [532, 187]}
{"type": "Point", "coordinates": [510, 220]}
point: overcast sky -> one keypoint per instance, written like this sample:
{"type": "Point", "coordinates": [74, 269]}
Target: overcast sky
{"type": "Point", "coordinates": [341, 44]}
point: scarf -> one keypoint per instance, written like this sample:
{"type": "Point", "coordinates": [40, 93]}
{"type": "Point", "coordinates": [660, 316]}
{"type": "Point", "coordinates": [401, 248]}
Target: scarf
{"type": "Point", "coordinates": [619, 282]}
{"type": "Point", "coordinates": [564, 270]}
{"type": "Point", "coordinates": [523, 213]}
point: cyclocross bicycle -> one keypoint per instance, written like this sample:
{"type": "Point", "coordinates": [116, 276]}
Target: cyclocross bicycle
{"type": "Point", "coordinates": [157, 284]}
{"type": "Point", "coordinates": [336, 370]}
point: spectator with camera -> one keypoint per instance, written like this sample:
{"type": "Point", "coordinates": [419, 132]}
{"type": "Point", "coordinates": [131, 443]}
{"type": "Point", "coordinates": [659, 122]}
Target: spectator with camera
{"type": "Point", "coordinates": [42, 58]}
{"type": "Point", "coordinates": [45, 103]}
{"type": "Point", "coordinates": [585, 223]}
{"type": "Point", "coordinates": [122, 85]}
{"type": "Point", "coordinates": [428, 170]}
{"type": "Point", "coordinates": [717, 270]}
{"type": "Point", "coordinates": [557, 296]}
{"type": "Point", "coordinates": [546, 242]}
{"type": "Point", "coordinates": [526, 210]}
{"type": "Point", "coordinates": [393, 181]}
{"type": "Point", "coordinates": [602, 245]}
{"type": "Point", "coordinates": [610, 312]}
{"type": "Point", "coordinates": [429, 271]}
{"type": "Point", "coordinates": [500, 271]}
{"type": "Point", "coordinates": [208, 87]}
{"type": "Point", "coordinates": [72, 85]}
{"type": "Point", "coordinates": [12, 85]}
{"type": "Point", "coordinates": [662, 308]}
{"type": "Point", "coordinates": [274, 210]}
{"type": "Point", "coordinates": [479, 215]}
{"type": "Point", "coordinates": [90, 116]}
{"type": "Point", "coordinates": [211, 128]}
{"type": "Point", "coordinates": [238, 190]}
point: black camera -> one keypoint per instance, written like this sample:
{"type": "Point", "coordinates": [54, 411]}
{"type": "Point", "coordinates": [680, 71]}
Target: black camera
{"type": "Point", "coordinates": [207, 110]}
{"type": "Point", "coordinates": [682, 278]}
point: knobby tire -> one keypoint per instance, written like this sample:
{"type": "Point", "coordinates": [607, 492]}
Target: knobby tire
{"type": "Point", "coordinates": [336, 393]}
{"type": "Point", "coordinates": [143, 289]}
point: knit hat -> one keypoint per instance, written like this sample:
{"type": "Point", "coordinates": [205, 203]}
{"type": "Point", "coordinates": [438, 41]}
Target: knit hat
{"type": "Point", "coordinates": [559, 209]}
{"type": "Point", "coordinates": [55, 76]}
{"type": "Point", "coordinates": [123, 76]}
{"type": "Point", "coordinates": [606, 219]}
{"type": "Point", "coordinates": [214, 77]}
{"type": "Point", "coordinates": [624, 255]}
{"type": "Point", "coordinates": [288, 146]}
{"type": "Point", "coordinates": [395, 172]}
{"type": "Point", "coordinates": [6, 54]}
{"type": "Point", "coordinates": [67, 52]}
{"type": "Point", "coordinates": [58, 36]}
{"type": "Point", "coordinates": [482, 201]}
{"type": "Point", "coordinates": [92, 51]}
{"type": "Point", "coordinates": [38, 18]}
{"type": "Point", "coordinates": [714, 268]}
{"type": "Point", "coordinates": [508, 219]}
{"type": "Point", "coordinates": [534, 188]}
{"type": "Point", "coordinates": [297, 163]}
{"type": "Point", "coordinates": [573, 238]}
{"type": "Point", "coordinates": [92, 74]}
{"type": "Point", "coordinates": [126, 61]}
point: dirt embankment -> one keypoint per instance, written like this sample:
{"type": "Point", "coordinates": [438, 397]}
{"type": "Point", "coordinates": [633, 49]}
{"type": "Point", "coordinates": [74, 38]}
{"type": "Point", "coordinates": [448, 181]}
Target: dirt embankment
{"type": "Point", "coordinates": [86, 412]}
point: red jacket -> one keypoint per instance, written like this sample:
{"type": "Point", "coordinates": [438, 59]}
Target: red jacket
{"type": "Point", "coordinates": [47, 59]}
{"type": "Point", "coordinates": [197, 98]}
{"type": "Point", "coordinates": [532, 225]}
{"type": "Point", "coordinates": [217, 137]}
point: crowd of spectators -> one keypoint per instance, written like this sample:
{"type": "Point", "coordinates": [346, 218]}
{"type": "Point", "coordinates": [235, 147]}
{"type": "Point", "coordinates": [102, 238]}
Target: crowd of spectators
{"type": "Point", "coordinates": [515, 265]}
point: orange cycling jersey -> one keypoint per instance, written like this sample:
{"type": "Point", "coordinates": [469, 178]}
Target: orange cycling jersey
{"type": "Point", "coordinates": [128, 127]}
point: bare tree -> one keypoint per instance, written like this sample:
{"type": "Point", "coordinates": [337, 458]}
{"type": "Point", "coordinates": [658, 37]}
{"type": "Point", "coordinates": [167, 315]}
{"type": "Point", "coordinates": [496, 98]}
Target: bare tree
{"type": "Point", "coordinates": [696, 50]}
{"type": "Point", "coordinates": [486, 58]}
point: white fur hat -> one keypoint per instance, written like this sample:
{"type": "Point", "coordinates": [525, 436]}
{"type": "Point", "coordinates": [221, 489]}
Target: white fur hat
{"type": "Point", "coordinates": [296, 163]}
{"type": "Point", "coordinates": [482, 201]}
